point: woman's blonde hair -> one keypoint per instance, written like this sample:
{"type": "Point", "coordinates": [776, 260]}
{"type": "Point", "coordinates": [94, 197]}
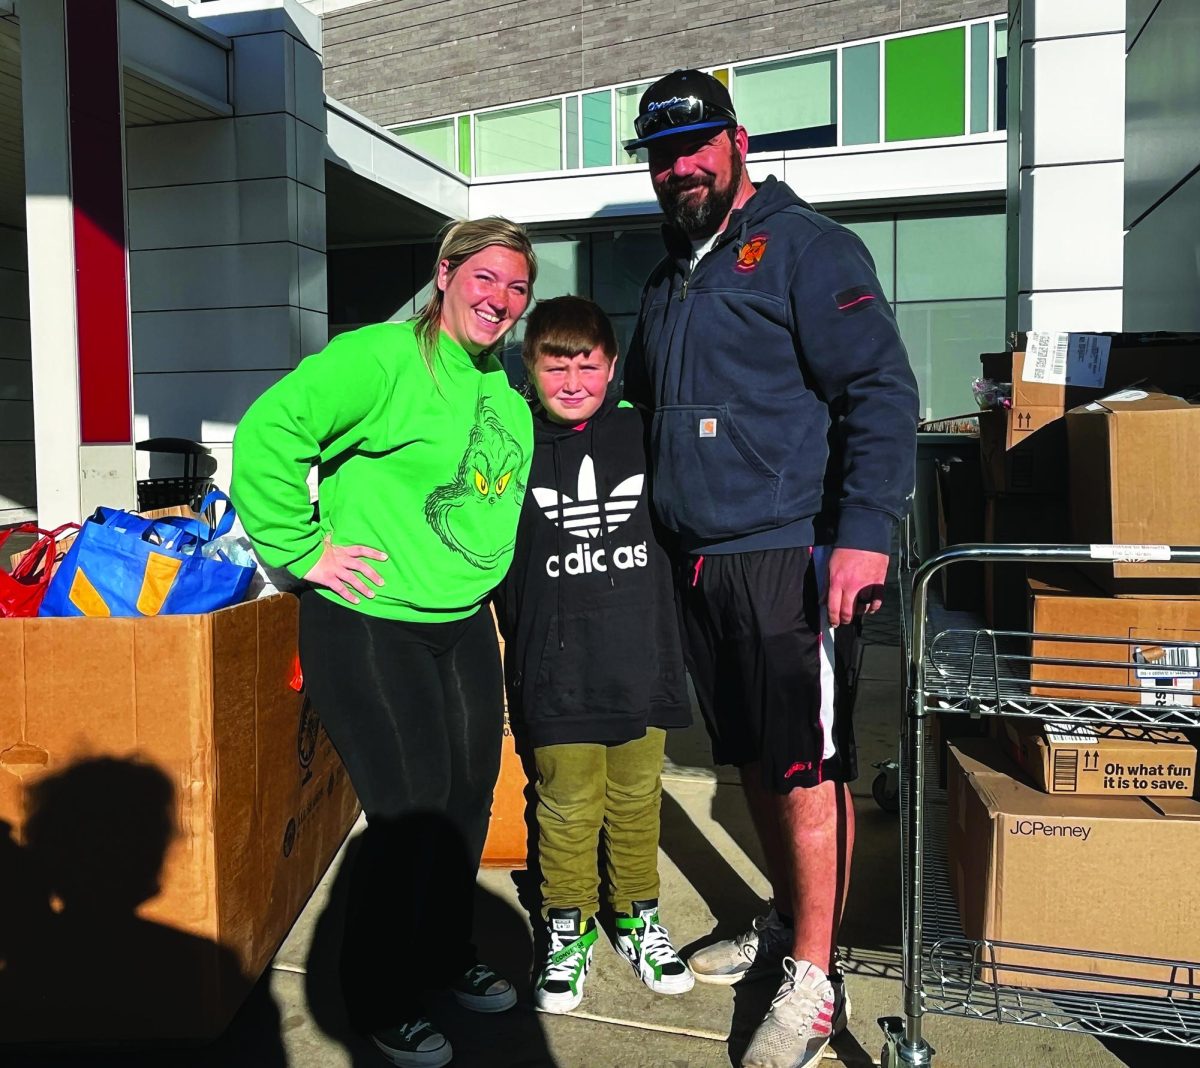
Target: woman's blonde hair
{"type": "Point", "coordinates": [460, 241]}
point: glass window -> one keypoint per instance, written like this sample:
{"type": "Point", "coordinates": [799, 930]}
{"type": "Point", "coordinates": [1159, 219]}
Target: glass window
{"type": "Point", "coordinates": [434, 140]}
{"type": "Point", "coordinates": [925, 85]}
{"type": "Point", "coordinates": [792, 94]}
{"type": "Point", "coordinates": [860, 94]}
{"type": "Point", "coordinates": [597, 129]}
{"type": "Point", "coordinates": [464, 145]}
{"type": "Point", "coordinates": [519, 140]}
{"type": "Point", "coordinates": [944, 340]}
{"type": "Point", "coordinates": [627, 109]}
{"type": "Point", "coordinates": [572, 103]}
{"type": "Point", "coordinates": [880, 238]}
{"type": "Point", "coordinates": [981, 69]}
{"type": "Point", "coordinates": [562, 267]}
{"type": "Point", "coordinates": [1002, 74]}
{"type": "Point", "coordinates": [621, 261]}
{"type": "Point", "coordinates": [950, 256]}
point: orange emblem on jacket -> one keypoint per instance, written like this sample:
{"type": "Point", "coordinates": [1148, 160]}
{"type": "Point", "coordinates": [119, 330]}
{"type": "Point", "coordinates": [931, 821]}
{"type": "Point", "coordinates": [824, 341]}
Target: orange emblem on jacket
{"type": "Point", "coordinates": [751, 253]}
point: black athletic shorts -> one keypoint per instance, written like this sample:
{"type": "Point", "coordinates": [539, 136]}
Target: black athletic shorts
{"type": "Point", "coordinates": [774, 681]}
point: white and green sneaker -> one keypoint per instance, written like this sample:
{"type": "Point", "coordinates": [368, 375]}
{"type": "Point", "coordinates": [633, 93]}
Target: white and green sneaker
{"type": "Point", "coordinates": [647, 946]}
{"type": "Point", "coordinates": [559, 987]}
{"type": "Point", "coordinates": [755, 954]}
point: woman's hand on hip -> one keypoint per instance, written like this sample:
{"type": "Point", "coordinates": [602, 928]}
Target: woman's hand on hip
{"type": "Point", "coordinates": [344, 569]}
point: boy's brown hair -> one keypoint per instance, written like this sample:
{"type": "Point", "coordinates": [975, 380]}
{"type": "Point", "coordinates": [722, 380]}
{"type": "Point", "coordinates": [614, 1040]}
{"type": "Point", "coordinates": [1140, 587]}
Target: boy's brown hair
{"type": "Point", "coordinates": [566, 326]}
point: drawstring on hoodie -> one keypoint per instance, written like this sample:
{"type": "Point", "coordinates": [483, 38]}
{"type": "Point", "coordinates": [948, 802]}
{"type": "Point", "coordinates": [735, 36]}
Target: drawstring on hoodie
{"type": "Point", "coordinates": [602, 505]}
{"type": "Point", "coordinates": [558, 582]}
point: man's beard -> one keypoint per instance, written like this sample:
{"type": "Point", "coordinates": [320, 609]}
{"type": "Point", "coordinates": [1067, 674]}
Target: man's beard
{"type": "Point", "coordinates": [699, 216]}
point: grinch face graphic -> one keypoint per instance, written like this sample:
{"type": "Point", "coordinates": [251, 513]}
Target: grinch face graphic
{"type": "Point", "coordinates": [476, 514]}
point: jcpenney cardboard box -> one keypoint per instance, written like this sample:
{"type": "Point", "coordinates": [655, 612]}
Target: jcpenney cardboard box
{"type": "Point", "coordinates": [168, 802]}
{"type": "Point", "coordinates": [1103, 760]}
{"type": "Point", "coordinates": [1105, 874]}
{"type": "Point", "coordinates": [1130, 456]}
{"type": "Point", "coordinates": [1157, 652]}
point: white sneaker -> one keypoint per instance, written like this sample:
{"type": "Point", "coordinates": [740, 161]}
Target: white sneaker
{"type": "Point", "coordinates": [799, 1025]}
{"type": "Point", "coordinates": [559, 987]}
{"type": "Point", "coordinates": [647, 946]}
{"type": "Point", "coordinates": [752, 955]}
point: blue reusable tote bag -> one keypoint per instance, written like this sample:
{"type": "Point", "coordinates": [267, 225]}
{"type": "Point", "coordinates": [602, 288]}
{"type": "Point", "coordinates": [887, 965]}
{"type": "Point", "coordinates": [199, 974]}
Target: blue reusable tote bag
{"type": "Point", "coordinates": [123, 564]}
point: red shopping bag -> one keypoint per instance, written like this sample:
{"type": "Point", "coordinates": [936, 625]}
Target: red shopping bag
{"type": "Point", "coordinates": [22, 589]}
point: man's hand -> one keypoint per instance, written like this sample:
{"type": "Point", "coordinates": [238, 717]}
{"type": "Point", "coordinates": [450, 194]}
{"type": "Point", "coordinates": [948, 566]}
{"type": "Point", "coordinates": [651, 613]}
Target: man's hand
{"type": "Point", "coordinates": [856, 578]}
{"type": "Point", "coordinates": [342, 569]}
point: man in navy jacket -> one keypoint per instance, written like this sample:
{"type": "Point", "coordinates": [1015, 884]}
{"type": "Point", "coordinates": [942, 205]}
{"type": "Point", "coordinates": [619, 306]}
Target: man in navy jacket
{"type": "Point", "coordinates": [783, 449]}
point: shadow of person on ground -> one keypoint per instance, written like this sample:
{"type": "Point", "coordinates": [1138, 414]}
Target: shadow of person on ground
{"type": "Point", "coordinates": [84, 974]}
{"type": "Point", "coordinates": [513, 1039]}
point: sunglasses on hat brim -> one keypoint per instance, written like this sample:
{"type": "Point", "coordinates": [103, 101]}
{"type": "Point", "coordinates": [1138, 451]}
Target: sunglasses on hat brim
{"type": "Point", "coordinates": [680, 114]}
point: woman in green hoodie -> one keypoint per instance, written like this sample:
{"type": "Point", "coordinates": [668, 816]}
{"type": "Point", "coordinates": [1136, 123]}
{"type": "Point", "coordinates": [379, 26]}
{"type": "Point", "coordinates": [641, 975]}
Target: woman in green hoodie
{"type": "Point", "coordinates": [422, 453]}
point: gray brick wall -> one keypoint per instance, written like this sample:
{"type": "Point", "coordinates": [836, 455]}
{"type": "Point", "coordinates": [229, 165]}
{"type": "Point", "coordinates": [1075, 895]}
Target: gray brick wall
{"type": "Point", "coordinates": [398, 60]}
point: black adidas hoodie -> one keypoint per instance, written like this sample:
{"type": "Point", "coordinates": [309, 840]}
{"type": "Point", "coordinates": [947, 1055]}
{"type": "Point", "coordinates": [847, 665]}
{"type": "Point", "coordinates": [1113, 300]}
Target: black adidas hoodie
{"type": "Point", "coordinates": [587, 610]}
{"type": "Point", "coordinates": [785, 410]}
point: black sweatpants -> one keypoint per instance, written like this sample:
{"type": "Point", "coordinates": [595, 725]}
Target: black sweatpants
{"type": "Point", "coordinates": [416, 713]}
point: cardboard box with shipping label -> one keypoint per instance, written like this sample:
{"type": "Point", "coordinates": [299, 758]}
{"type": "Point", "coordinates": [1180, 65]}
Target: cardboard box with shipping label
{"type": "Point", "coordinates": [1117, 875]}
{"type": "Point", "coordinates": [1130, 484]}
{"type": "Point", "coordinates": [168, 803]}
{"type": "Point", "coordinates": [1023, 451]}
{"type": "Point", "coordinates": [1153, 659]}
{"type": "Point", "coordinates": [1099, 760]}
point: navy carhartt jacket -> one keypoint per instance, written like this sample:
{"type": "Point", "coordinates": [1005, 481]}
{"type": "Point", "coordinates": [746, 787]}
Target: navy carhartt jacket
{"type": "Point", "coordinates": [784, 406]}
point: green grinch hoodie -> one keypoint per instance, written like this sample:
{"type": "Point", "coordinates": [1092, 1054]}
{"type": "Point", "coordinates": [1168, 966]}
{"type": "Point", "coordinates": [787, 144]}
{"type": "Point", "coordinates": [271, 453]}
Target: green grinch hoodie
{"type": "Point", "coordinates": [429, 469]}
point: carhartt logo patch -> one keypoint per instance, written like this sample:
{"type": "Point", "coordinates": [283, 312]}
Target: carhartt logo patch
{"type": "Point", "coordinates": [563, 925]}
{"type": "Point", "coordinates": [708, 428]}
{"type": "Point", "coordinates": [751, 253]}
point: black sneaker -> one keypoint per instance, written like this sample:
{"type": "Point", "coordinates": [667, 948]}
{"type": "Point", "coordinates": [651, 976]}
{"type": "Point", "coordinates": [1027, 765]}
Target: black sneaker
{"type": "Point", "coordinates": [482, 990]}
{"type": "Point", "coordinates": [414, 1045]}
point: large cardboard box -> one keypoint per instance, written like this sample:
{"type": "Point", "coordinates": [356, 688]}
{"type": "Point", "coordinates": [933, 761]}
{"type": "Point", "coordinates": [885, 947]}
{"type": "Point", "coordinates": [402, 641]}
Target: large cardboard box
{"type": "Point", "coordinates": [1063, 602]}
{"type": "Point", "coordinates": [1023, 451]}
{"type": "Point", "coordinates": [168, 802]}
{"type": "Point", "coordinates": [1105, 760]}
{"type": "Point", "coordinates": [1130, 482]}
{"type": "Point", "coordinates": [1102, 874]}
{"type": "Point", "coordinates": [1021, 519]}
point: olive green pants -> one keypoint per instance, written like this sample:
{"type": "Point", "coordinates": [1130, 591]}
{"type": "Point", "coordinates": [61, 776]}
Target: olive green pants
{"type": "Point", "coordinates": [583, 789]}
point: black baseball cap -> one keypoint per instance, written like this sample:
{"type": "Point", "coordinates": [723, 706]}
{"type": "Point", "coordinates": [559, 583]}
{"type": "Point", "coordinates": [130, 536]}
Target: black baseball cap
{"type": "Point", "coordinates": [683, 101]}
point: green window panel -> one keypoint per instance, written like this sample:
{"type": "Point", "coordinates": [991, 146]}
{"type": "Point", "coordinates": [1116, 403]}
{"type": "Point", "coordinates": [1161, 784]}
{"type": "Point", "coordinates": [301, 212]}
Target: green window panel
{"type": "Point", "coordinates": [950, 257]}
{"type": "Point", "coordinates": [880, 238]}
{"type": "Point", "coordinates": [860, 94]}
{"type": "Point", "coordinates": [981, 67]}
{"type": "Point", "coordinates": [519, 140]}
{"type": "Point", "coordinates": [627, 109]}
{"type": "Point", "coordinates": [434, 140]}
{"type": "Point", "coordinates": [944, 340]}
{"type": "Point", "coordinates": [792, 94]}
{"type": "Point", "coordinates": [572, 160]}
{"type": "Point", "coordinates": [925, 85]}
{"type": "Point", "coordinates": [464, 144]}
{"type": "Point", "coordinates": [1002, 39]}
{"type": "Point", "coordinates": [597, 129]}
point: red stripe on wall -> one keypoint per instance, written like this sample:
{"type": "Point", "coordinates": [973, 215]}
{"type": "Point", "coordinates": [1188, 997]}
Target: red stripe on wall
{"type": "Point", "coordinates": [98, 203]}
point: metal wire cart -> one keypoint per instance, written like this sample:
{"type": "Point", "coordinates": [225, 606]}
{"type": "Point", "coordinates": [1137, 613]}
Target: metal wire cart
{"type": "Point", "coordinates": [954, 667]}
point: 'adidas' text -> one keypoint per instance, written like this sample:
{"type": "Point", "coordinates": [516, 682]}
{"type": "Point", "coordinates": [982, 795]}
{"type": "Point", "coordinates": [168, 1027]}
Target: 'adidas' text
{"type": "Point", "coordinates": [583, 560]}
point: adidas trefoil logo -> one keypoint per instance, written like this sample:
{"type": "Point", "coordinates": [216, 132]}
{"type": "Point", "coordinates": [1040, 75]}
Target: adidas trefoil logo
{"type": "Point", "coordinates": [587, 517]}
{"type": "Point", "coordinates": [584, 515]}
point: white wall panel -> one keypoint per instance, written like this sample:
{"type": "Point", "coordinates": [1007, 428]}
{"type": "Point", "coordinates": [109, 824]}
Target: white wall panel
{"type": "Point", "coordinates": [1080, 310]}
{"type": "Point", "coordinates": [221, 276]}
{"type": "Point", "coordinates": [220, 150]}
{"type": "Point", "coordinates": [219, 339]}
{"type": "Point", "coordinates": [1069, 226]}
{"type": "Point", "coordinates": [1066, 18]}
{"type": "Point", "coordinates": [1073, 100]}
{"type": "Point", "coordinates": [216, 213]}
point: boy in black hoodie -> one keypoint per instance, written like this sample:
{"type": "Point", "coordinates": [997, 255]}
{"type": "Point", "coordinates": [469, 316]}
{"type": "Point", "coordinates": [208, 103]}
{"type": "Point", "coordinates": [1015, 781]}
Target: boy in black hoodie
{"type": "Point", "coordinates": [593, 664]}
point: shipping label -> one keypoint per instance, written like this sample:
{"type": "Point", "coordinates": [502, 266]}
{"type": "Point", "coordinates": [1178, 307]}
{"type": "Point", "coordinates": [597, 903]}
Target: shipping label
{"type": "Point", "coordinates": [1065, 359]}
{"type": "Point", "coordinates": [1168, 672]}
